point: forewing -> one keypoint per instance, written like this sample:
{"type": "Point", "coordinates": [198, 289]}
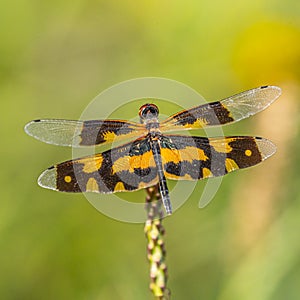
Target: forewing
{"type": "Point", "coordinates": [83, 133]}
{"type": "Point", "coordinates": [228, 110]}
{"type": "Point", "coordinates": [126, 168]}
{"type": "Point", "coordinates": [194, 158]}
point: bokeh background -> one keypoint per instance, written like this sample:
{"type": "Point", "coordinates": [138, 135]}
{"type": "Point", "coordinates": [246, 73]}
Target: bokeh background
{"type": "Point", "coordinates": [55, 56]}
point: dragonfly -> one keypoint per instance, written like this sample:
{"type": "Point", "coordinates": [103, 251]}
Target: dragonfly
{"type": "Point", "coordinates": [155, 154]}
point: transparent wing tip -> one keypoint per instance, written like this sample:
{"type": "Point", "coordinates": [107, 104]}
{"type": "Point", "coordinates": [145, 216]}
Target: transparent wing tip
{"type": "Point", "coordinates": [30, 127]}
{"type": "Point", "coordinates": [48, 179]}
{"type": "Point", "coordinates": [39, 130]}
{"type": "Point", "coordinates": [56, 132]}
{"type": "Point", "coordinates": [266, 148]}
{"type": "Point", "coordinates": [273, 92]}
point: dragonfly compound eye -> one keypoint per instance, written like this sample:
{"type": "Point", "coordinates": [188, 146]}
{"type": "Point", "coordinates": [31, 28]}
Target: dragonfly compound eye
{"type": "Point", "coordinates": [148, 111]}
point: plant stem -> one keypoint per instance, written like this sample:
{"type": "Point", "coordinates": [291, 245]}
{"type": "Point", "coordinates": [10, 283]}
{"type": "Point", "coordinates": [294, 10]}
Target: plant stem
{"type": "Point", "coordinates": [156, 252]}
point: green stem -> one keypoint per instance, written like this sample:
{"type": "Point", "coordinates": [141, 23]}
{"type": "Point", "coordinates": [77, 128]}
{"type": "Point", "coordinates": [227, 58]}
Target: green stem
{"type": "Point", "coordinates": [156, 252]}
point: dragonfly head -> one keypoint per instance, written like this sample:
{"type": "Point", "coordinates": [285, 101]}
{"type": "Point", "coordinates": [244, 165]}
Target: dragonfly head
{"type": "Point", "coordinates": [148, 112]}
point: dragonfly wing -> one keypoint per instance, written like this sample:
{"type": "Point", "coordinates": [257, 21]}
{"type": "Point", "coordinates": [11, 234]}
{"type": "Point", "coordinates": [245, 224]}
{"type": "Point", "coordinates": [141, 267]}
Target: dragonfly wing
{"type": "Point", "coordinates": [125, 168]}
{"type": "Point", "coordinates": [228, 110]}
{"type": "Point", "coordinates": [194, 158]}
{"type": "Point", "coordinates": [83, 133]}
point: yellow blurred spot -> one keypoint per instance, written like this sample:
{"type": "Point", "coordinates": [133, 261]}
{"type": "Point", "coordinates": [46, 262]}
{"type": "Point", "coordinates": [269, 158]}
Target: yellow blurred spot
{"type": "Point", "coordinates": [268, 52]}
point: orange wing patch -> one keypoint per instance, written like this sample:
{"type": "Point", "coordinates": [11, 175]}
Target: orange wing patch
{"type": "Point", "coordinates": [189, 153]}
{"type": "Point", "coordinates": [129, 163]}
{"type": "Point", "coordinates": [92, 164]}
{"type": "Point", "coordinates": [222, 146]}
{"type": "Point", "coordinates": [92, 185]}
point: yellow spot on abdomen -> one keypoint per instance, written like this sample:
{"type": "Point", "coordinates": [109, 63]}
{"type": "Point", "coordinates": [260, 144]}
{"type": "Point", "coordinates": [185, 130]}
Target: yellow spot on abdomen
{"type": "Point", "coordinates": [68, 179]}
{"type": "Point", "coordinates": [91, 164]}
{"type": "Point", "coordinates": [230, 165]}
{"type": "Point", "coordinates": [248, 152]}
{"type": "Point", "coordinates": [119, 187]}
{"type": "Point", "coordinates": [92, 185]}
{"type": "Point", "coordinates": [206, 173]}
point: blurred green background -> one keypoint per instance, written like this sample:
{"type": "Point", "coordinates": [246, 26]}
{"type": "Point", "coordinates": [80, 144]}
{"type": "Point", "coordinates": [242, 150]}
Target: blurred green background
{"type": "Point", "coordinates": [55, 56]}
